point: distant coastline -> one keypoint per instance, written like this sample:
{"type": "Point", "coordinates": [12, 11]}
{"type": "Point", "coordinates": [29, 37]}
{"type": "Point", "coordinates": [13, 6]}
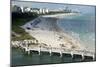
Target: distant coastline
{"type": "Point", "coordinates": [60, 15]}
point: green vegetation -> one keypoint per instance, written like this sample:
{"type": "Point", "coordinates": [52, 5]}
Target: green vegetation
{"type": "Point", "coordinates": [19, 19]}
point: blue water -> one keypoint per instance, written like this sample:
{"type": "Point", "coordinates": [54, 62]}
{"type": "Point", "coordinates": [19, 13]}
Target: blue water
{"type": "Point", "coordinates": [81, 27]}
{"type": "Point", "coordinates": [21, 58]}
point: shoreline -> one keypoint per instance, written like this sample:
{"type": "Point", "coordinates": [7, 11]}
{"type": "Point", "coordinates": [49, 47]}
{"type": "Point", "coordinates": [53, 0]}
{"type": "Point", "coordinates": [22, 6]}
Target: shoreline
{"type": "Point", "coordinates": [60, 15]}
{"type": "Point", "coordinates": [46, 24]}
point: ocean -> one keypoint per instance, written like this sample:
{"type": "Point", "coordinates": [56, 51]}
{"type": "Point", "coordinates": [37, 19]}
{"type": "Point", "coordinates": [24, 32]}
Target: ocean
{"type": "Point", "coordinates": [82, 28]}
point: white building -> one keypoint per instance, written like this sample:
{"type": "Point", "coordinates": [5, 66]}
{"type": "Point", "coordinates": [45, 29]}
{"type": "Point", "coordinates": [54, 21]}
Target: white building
{"type": "Point", "coordinates": [36, 10]}
{"type": "Point", "coordinates": [25, 9]}
{"type": "Point", "coordinates": [22, 9]}
{"type": "Point", "coordinates": [28, 9]}
{"type": "Point", "coordinates": [47, 10]}
{"type": "Point", "coordinates": [43, 11]}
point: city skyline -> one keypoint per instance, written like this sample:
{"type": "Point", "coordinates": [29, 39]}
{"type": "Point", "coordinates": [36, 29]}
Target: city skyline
{"type": "Point", "coordinates": [80, 8]}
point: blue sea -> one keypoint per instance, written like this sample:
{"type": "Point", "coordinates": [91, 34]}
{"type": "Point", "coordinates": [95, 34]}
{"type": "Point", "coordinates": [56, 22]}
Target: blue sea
{"type": "Point", "coordinates": [81, 27]}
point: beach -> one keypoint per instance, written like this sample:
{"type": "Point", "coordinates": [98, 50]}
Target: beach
{"type": "Point", "coordinates": [49, 33]}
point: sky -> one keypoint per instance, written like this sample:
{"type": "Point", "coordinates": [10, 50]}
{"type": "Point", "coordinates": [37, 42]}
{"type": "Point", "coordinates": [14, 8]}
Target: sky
{"type": "Point", "coordinates": [80, 8]}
